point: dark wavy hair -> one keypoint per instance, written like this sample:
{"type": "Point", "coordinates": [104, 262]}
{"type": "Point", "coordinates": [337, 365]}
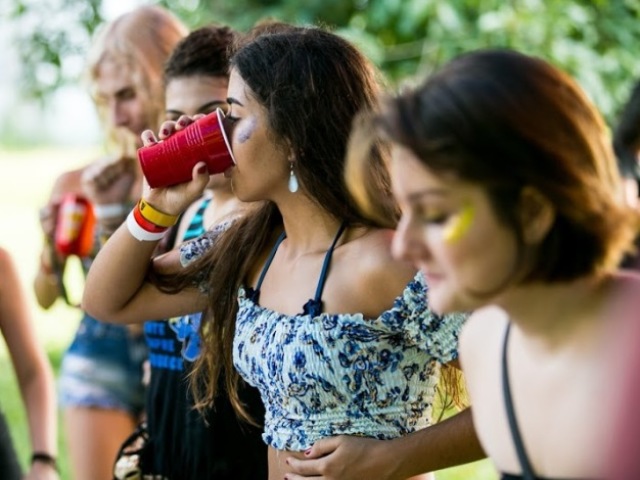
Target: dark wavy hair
{"type": "Point", "coordinates": [505, 121]}
{"type": "Point", "coordinates": [312, 83]}
{"type": "Point", "coordinates": [204, 51]}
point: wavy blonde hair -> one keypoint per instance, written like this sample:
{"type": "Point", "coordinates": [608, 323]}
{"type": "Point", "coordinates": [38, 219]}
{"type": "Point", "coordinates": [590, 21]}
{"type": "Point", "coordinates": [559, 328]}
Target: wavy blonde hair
{"type": "Point", "coordinates": [141, 40]}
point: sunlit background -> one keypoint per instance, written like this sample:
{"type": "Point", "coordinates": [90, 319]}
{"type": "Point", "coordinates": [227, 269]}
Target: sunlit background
{"type": "Point", "coordinates": [48, 123]}
{"type": "Point", "coordinates": [67, 116]}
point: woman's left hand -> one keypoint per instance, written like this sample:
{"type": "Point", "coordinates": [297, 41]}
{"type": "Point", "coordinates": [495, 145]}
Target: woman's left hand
{"type": "Point", "coordinates": [344, 458]}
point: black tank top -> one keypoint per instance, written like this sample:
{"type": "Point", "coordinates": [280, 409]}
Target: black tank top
{"type": "Point", "coordinates": [187, 444]}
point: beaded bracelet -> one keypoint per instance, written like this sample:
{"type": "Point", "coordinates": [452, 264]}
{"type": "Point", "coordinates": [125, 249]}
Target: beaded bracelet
{"type": "Point", "coordinates": [139, 232]}
{"type": "Point", "coordinates": [155, 216]}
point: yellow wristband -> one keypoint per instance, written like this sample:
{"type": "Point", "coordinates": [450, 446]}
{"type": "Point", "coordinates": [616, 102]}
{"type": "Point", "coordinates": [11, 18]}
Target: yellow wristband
{"type": "Point", "coordinates": [156, 217]}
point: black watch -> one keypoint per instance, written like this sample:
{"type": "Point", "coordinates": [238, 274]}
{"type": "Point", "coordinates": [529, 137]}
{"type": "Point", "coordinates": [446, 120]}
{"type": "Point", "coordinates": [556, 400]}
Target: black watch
{"type": "Point", "coordinates": [43, 457]}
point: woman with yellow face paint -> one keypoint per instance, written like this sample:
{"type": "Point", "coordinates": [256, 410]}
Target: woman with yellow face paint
{"type": "Point", "coordinates": [511, 207]}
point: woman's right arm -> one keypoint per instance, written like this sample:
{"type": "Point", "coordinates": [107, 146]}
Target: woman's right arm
{"type": "Point", "coordinates": [117, 289]}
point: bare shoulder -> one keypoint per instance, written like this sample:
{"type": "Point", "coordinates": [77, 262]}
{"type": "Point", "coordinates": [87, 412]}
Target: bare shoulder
{"type": "Point", "coordinates": [375, 261]}
{"type": "Point", "coordinates": [622, 297]}
{"type": "Point", "coordinates": [484, 328]}
{"type": "Point", "coordinates": [624, 279]}
{"type": "Point", "coordinates": [375, 277]}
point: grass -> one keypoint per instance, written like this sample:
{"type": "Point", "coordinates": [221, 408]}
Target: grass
{"type": "Point", "coordinates": [26, 177]}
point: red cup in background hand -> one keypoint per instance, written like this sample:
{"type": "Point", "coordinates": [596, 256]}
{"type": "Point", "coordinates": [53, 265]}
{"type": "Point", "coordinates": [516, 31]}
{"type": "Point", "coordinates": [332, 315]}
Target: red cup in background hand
{"type": "Point", "coordinates": [171, 161]}
{"type": "Point", "coordinates": [75, 226]}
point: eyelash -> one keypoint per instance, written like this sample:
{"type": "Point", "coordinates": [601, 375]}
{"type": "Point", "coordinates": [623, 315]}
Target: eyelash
{"type": "Point", "coordinates": [231, 119]}
{"type": "Point", "coordinates": [435, 219]}
{"type": "Point", "coordinates": [430, 217]}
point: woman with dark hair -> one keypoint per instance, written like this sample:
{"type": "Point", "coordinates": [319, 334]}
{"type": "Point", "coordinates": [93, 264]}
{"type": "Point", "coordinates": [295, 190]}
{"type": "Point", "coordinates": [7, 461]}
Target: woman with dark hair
{"type": "Point", "coordinates": [183, 442]}
{"type": "Point", "coordinates": [512, 207]}
{"type": "Point", "coordinates": [302, 298]}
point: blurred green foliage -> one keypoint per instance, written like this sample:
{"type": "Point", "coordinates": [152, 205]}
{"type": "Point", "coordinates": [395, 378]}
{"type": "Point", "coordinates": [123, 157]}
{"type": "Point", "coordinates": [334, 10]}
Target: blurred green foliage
{"type": "Point", "coordinates": [595, 40]}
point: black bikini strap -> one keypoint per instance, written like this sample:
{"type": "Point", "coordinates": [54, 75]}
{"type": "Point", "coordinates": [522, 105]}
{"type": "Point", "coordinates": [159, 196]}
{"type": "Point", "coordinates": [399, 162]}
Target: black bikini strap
{"type": "Point", "coordinates": [327, 263]}
{"type": "Point", "coordinates": [312, 307]}
{"type": "Point", "coordinates": [527, 470]}
{"type": "Point", "coordinates": [282, 236]}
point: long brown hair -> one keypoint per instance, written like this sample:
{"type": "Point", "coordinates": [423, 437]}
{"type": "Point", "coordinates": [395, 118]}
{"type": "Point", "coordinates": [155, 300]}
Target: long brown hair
{"type": "Point", "coordinates": [312, 84]}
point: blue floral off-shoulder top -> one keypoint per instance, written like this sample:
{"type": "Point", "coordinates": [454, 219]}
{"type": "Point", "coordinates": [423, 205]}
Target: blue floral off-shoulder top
{"type": "Point", "coordinates": [344, 374]}
{"type": "Point", "coordinates": [322, 374]}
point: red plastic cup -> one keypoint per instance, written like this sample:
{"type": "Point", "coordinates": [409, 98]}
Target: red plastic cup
{"type": "Point", "coordinates": [74, 226]}
{"type": "Point", "coordinates": [171, 161]}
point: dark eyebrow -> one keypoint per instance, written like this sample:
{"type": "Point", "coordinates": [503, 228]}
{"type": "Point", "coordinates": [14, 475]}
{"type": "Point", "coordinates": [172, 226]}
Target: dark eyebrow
{"type": "Point", "coordinates": [201, 108]}
{"type": "Point", "coordinates": [232, 100]}
{"type": "Point", "coordinates": [174, 112]}
{"type": "Point", "coordinates": [206, 106]}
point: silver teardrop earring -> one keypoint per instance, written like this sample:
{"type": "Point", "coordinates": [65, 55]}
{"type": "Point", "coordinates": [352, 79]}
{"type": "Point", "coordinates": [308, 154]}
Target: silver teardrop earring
{"type": "Point", "coordinates": [293, 180]}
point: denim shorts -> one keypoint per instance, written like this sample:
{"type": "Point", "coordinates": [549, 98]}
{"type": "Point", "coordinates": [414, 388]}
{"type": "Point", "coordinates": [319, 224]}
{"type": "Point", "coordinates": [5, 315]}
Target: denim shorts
{"type": "Point", "coordinates": [103, 368]}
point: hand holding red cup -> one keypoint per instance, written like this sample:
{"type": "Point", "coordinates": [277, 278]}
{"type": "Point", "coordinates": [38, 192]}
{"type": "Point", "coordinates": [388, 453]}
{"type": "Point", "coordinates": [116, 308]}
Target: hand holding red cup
{"type": "Point", "coordinates": [171, 161]}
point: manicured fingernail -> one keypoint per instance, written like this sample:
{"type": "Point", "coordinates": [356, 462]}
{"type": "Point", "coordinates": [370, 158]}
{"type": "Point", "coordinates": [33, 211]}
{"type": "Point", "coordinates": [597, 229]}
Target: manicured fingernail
{"type": "Point", "coordinates": [164, 131]}
{"type": "Point", "coordinates": [307, 452]}
{"type": "Point", "coordinates": [182, 122]}
{"type": "Point", "coordinates": [202, 169]}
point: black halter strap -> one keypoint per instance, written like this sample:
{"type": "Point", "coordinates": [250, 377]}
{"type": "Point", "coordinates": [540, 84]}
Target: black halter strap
{"type": "Point", "coordinates": [254, 293]}
{"type": "Point", "coordinates": [314, 306]}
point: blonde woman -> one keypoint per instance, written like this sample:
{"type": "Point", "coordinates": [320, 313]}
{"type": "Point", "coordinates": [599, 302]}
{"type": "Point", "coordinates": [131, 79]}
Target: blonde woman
{"type": "Point", "coordinates": [100, 385]}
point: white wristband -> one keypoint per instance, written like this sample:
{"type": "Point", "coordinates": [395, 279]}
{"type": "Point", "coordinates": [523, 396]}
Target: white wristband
{"type": "Point", "coordinates": [140, 233]}
{"type": "Point", "coordinates": [110, 210]}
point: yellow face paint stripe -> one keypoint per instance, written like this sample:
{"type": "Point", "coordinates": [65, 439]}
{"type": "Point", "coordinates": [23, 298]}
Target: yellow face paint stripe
{"type": "Point", "coordinates": [459, 225]}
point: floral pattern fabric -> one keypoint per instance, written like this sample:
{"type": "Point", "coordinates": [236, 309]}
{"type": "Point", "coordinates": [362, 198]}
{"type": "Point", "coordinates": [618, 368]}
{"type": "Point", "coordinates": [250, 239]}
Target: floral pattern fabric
{"type": "Point", "coordinates": [344, 374]}
{"type": "Point", "coordinates": [341, 374]}
{"type": "Point", "coordinates": [191, 250]}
